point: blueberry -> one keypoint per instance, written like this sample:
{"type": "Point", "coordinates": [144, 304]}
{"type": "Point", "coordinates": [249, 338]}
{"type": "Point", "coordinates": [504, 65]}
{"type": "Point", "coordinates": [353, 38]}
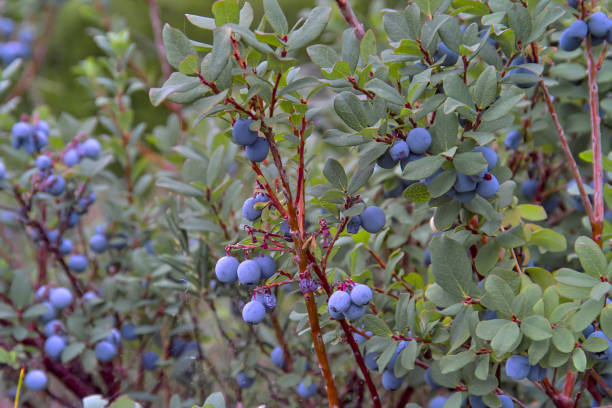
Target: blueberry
{"type": "Point", "coordinates": [572, 37]}
{"type": "Point", "coordinates": [370, 361]}
{"type": "Point", "coordinates": [489, 314]}
{"type": "Point", "coordinates": [149, 360]}
{"type": "Point", "coordinates": [506, 401]}
{"type": "Point", "coordinates": [54, 327]}
{"type": "Point", "coordinates": [517, 367]}
{"type": "Point", "coordinates": [530, 79]}
{"type": "Point", "coordinates": [50, 314]}
{"type": "Point", "coordinates": [390, 381]}
{"type": "Point", "coordinates": [427, 257]}
{"type": "Point", "coordinates": [606, 354]}
{"type": "Point", "coordinates": [249, 211]}
{"type": "Point", "coordinates": [488, 187]}
{"type": "Point", "coordinates": [513, 139]}
{"type": "Point", "coordinates": [91, 148]}
{"type": "Point", "coordinates": [386, 161]}
{"type": "Point", "coordinates": [258, 151]}
{"type": "Point", "coordinates": [43, 162]}
{"type": "Point", "coordinates": [398, 349]}
{"type": "Point", "coordinates": [476, 402]}
{"type": "Point", "coordinates": [242, 134]}
{"type": "Point", "coordinates": [114, 337]}
{"type": "Point", "coordinates": [128, 331]}
{"type": "Point", "coordinates": [335, 315]}
{"type": "Point", "coordinates": [54, 346]}
{"type": "Point", "coordinates": [529, 188]}
{"type": "Point", "coordinates": [464, 183]}
{"type": "Point", "coordinates": [71, 158]}
{"type": "Point", "coordinates": [489, 155]}
{"type": "Point", "coordinates": [361, 294]}
{"type": "Point", "coordinates": [249, 272]}
{"type": "Point", "coordinates": [359, 338]}
{"type": "Point", "coordinates": [65, 247]}
{"type": "Point", "coordinates": [306, 391]}
{"type": "Point", "coordinates": [339, 301]}
{"type": "Point", "coordinates": [354, 312]}
{"type": "Point", "coordinates": [277, 356]}
{"type": "Point", "coordinates": [21, 130]}
{"type": "Point", "coordinates": [244, 381]}
{"type": "Point", "coordinates": [77, 263]}
{"type": "Point", "coordinates": [438, 402]}
{"type": "Point", "coordinates": [98, 243]}
{"type": "Point", "coordinates": [537, 373]}
{"type": "Point", "coordinates": [60, 298]}
{"type": "Point", "coordinates": [177, 346]}
{"type": "Point", "coordinates": [6, 26]}
{"type": "Point", "coordinates": [373, 219]}
{"type": "Point", "coordinates": [253, 312]}
{"type": "Point", "coordinates": [353, 225]}
{"type": "Point", "coordinates": [105, 351]}
{"type": "Point", "coordinates": [429, 379]}
{"type": "Point", "coordinates": [599, 24]}
{"type": "Point", "coordinates": [399, 150]}
{"type": "Point", "coordinates": [267, 264]}
{"type": "Point", "coordinates": [36, 380]}
{"type": "Point", "coordinates": [73, 220]}
{"type": "Point", "coordinates": [419, 140]}
{"type": "Point", "coordinates": [268, 300]}
{"type": "Point", "coordinates": [56, 185]}
{"type": "Point", "coordinates": [442, 51]}
{"type": "Point", "coordinates": [226, 269]}
{"type": "Point", "coordinates": [550, 203]}
{"type": "Point", "coordinates": [590, 329]}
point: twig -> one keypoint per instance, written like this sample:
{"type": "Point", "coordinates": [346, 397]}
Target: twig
{"type": "Point", "coordinates": [157, 31]}
{"type": "Point", "coordinates": [350, 17]}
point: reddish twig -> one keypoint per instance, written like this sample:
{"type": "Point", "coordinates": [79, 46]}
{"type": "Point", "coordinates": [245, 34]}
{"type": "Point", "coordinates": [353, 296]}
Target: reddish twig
{"type": "Point", "coordinates": [350, 17]}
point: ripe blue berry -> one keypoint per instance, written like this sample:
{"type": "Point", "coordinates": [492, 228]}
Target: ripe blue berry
{"type": "Point", "coordinates": [399, 150]}
{"type": "Point", "coordinates": [339, 301]}
{"type": "Point", "coordinates": [36, 380]}
{"type": "Point", "coordinates": [370, 361]}
{"type": "Point", "coordinates": [354, 312]}
{"type": "Point", "coordinates": [50, 314]}
{"type": "Point", "coordinates": [242, 134]}
{"type": "Point", "coordinates": [438, 402]}
{"type": "Point", "coordinates": [244, 381]}
{"type": "Point", "coordinates": [506, 401]}
{"type": "Point", "coordinates": [599, 24]}
{"type": "Point", "coordinates": [537, 373]}
{"type": "Point", "coordinates": [98, 243]}
{"type": "Point", "coordinates": [333, 314]}
{"type": "Point", "coordinates": [390, 381]}
{"type": "Point", "coordinates": [71, 158]}
{"type": "Point", "coordinates": [43, 162]}
{"type": "Point", "coordinates": [114, 337]}
{"type": "Point", "coordinates": [105, 351]}
{"type": "Point", "coordinates": [149, 360]}
{"type": "Point", "coordinates": [267, 264]}
{"type": "Point", "coordinates": [517, 367]}
{"type": "Point", "coordinates": [489, 155]}
{"type": "Point", "coordinates": [427, 257]}
{"type": "Point", "coordinates": [277, 357]}
{"type": "Point", "coordinates": [529, 79]}
{"type": "Point", "coordinates": [606, 354]}
{"type": "Point", "coordinates": [373, 219]}
{"type": "Point", "coordinates": [65, 247]}
{"type": "Point", "coordinates": [386, 161]}
{"type": "Point", "coordinates": [249, 211]}
{"type": "Point", "coordinates": [91, 148]}
{"type": "Point", "coordinates": [529, 188]}
{"type": "Point", "coordinates": [513, 139]}
{"type": "Point", "coordinates": [572, 37]}
{"type": "Point", "coordinates": [361, 294]}
{"type": "Point", "coordinates": [442, 51]}
{"type": "Point", "coordinates": [60, 298]}
{"type": "Point", "coordinates": [359, 338]}
{"type": "Point", "coordinates": [488, 186]}
{"type": "Point", "coordinates": [268, 300]}
{"type": "Point", "coordinates": [306, 391]}
{"type": "Point", "coordinates": [54, 346]}
{"type": "Point", "coordinates": [21, 130]}
{"type": "Point", "coordinates": [249, 272]}
{"type": "Point", "coordinates": [77, 263]}
{"type": "Point", "coordinates": [128, 331]}
{"type": "Point", "coordinates": [258, 151]}
{"type": "Point", "coordinates": [398, 349]}
{"type": "Point", "coordinates": [54, 327]}
{"type": "Point", "coordinates": [419, 140]}
{"type": "Point", "coordinates": [464, 183]}
{"type": "Point", "coordinates": [253, 312]}
{"type": "Point", "coordinates": [476, 402]}
{"type": "Point", "coordinates": [353, 225]}
{"type": "Point", "coordinates": [55, 185]}
{"type": "Point", "coordinates": [226, 269]}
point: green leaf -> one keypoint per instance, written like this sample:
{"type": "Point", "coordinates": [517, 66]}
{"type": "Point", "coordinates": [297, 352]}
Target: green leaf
{"type": "Point", "coordinates": [350, 110]}
{"type": "Point", "coordinates": [446, 214]}
{"type": "Point", "coordinates": [506, 339]}
{"type": "Point", "coordinates": [430, 28]}
{"type": "Point", "coordinates": [520, 21]}
{"type": "Point", "coordinates": [311, 28]}
{"type": "Point", "coordinates": [175, 84]}
{"type": "Point", "coordinates": [408, 355]}
{"type": "Point", "coordinates": [579, 359]}
{"type": "Point", "coordinates": [226, 11]}
{"type": "Point", "coordinates": [206, 23]}
{"type": "Point", "coordinates": [123, 402]}
{"type": "Point", "coordinates": [360, 178]}
{"type": "Point", "coordinates": [512, 238]}
{"type": "Point", "coordinates": [35, 311]}
{"type": "Point", "coordinates": [20, 292]}
{"type": "Point", "coordinates": [367, 46]}
{"type": "Point", "coordinates": [470, 163]}
{"type": "Point", "coordinates": [532, 212]}
{"type": "Point", "coordinates": [595, 344]}
{"type": "Point", "coordinates": [536, 328]}
{"type": "Point", "coordinates": [571, 71]}
{"type": "Point", "coordinates": [442, 183]}
{"type": "Point", "coordinates": [605, 321]}
{"type": "Point", "coordinates": [251, 39]}
{"type": "Point", "coordinates": [499, 294]}
{"type": "Point", "coordinates": [549, 240]}
{"type": "Point", "coordinates": [574, 278]}
{"type": "Point", "coordinates": [376, 325]}
{"type": "Point", "coordinates": [563, 339]}
{"type": "Point", "coordinates": [417, 193]}
{"type": "Point", "coordinates": [72, 351]}
{"type": "Point", "coordinates": [221, 52]}
{"type": "Point", "coordinates": [322, 55]}
{"type": "Point", "coordinates": [585, 316]}
{"type": "Point", "coordinates": [455, 88]}
{"type": "Point", "coordinates": [591, 257]}
{"type": "Point", "coordinates": [180, 188]}
{"type": "Point", "coordinates": [454, 362]}
{"type": "Point", "coordinates": [215, 400]}
{"type": "Point", "coordinates": [505, 104]}
{"type": "Point", "coordinates": [7, 311]}
{"type": "Point", "coordinates": [487, 329]}
{"type": "Point", "coordinates": [451, 267]}
{"type": "Point", "coordinates": [385, 91]}
{"type": "Point", "coordinates": [177, 45]}
{"type": "Point", "coordinates": [275, 16]}
{"type": "Point", "coordinates": [485, 89]}
{"type": "Point", "coordinates": [422, 168]}
{"type": "Point", "coordinates": [350, 48]}
{"type": "Point", "coordinates": [334, 173]}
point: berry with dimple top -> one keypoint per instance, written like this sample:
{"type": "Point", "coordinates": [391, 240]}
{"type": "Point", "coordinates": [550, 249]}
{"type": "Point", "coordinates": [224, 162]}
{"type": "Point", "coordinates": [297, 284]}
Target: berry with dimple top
{"type": "Point", "coordinates": [334, 314]}
{"type": "Point", "coordinates": [399, 150]}
{"type": "Point", "coordinates": [267, 264]}
{"type": "Point", "coordinates": [517, 367]}
{"type": "Point", "coordinates": [390, 381]}
{"type": "Point", "coordinates": [77, 263]}
{"type": "Point", "coordinates": [258, 151]}
{"type": "Point", "coordinates": [244, 381]}
{"type": "Point", "coordinates": [464, 183]}
{"type": "Point", "coordinates": [98, 243]}
{"type": "Point", "coordinates": [266, 299]}
{"type": "Point", "coordinates": [149, 360]}
{"type": "Point", "coordinates": [385, 161]}
{"type": "Point", "coordinates": [370, 361]}
{"type": "Point", "coordinates": [242, 134]}
{"type": "Point", "coordinates": [354, 224]}
{"type": "Point", "coordinates": [306, 391]}
{"type": "Point", "coordinates": [599, 24]}
{"type": "Point", "coordinates": [54, 346]}
{"type": "Point", "coordinates": [419, 140]}
{"type": "Point", "coordinates": [55, 185]}
{"type": "Point", "coordinates": [354, 312]}
{"type": "Point", "coordinates": [114, 337]}
{"type": "Point", "coordinates": [488, 186]}
{"type": "Point", "coordinates": [253, 312]}
{"type": "Point", "coordinates": [249, 211]}
{"type": "Point", "coordinates": [35, 380]}
{"type": "Point", "coordinates": [91, 148]}
{"type": "Point", "coordinates": [105, 351]}
{"type": "Point", "coordinates": [249, 272]}
{"type": "Point", "coordinates": [442, 51]}
{"type": "Point", "coordinates": [226, 269]}
{"type": "Point", "coordinates": [373, 219]}
{"type": "Point", "coordinates": [43, 162]}
{"type": "Point", "coordinates": [361, 294]}
{"type": "Point", "coordinates": [54, 327]}
{"type": "Point", "coordinates": [529, 188]}
{"type": "Point", "coordinates": [71, 158]}
{"type": "Point", "coordinates": [339, 301]}
{"type": "Point", "coordinates": [277, 357]}
{"type": "Point", "coordinates": [513, 139]}
{"type": "Point", "coordinates": [60, 298]}
{"type": "Point", "coordinates": [438, 402]}
{"type": "Point", "coordinates": [489, 155]}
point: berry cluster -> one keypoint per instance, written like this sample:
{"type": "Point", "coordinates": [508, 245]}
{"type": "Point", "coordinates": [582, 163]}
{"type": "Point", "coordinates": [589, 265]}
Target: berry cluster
{"type": "Point", "coordinates": [389, 380]}
{"type": "Point", "coordinates": [13, 48]}
{"type": "Point", "coordinates": [349, 302]}
{"type": "Point", "coordinates": [256, 148]}
{"type": "Point", "coordinates": [416, 144]}
{"type": "Point", "coordinates": [372, 219]}
{"type": "Point", "coordinates": [598, 26]}
{"type": "Point", "coordinates": [32, 137]}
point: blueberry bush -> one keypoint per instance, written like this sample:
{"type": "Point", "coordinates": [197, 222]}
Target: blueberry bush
{"type": "Point", "coordinates": [395, 205]}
